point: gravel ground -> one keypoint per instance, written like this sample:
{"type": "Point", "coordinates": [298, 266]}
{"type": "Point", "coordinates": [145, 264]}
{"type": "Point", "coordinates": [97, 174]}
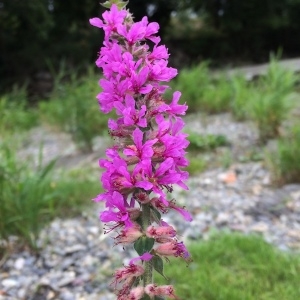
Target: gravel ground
{"type": "Point", "coordinates": [76, 260]}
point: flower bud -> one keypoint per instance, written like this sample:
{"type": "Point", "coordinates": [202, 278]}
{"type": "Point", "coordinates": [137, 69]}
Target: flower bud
{"type": "Point", "coordinates": [128, 272]}
{"type": "Point", "coordinates": [134, 213]}
{"type": "Point", "coordinates": [129, 234]}
{"type": "Point", "coordinates": [162, 232]}
{"type": "Point", "coordinates": [158, 204]}
{"type": "Point", "coordinates": [135, 294]}
{"type": "Point", "coordinates": [173, 249]}
{"type": "Point", "coordinates": [164, 290]}
{"type": "Point", "coordinates": [142, 197]}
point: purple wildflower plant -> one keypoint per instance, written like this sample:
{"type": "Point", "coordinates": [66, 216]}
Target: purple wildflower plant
{"type": "Point", "coordinates": [149, 152]}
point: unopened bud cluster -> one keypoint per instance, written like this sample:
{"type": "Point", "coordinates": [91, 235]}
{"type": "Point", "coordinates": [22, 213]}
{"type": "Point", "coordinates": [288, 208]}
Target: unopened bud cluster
{"type": "Point", "coordinates": [149, 151]}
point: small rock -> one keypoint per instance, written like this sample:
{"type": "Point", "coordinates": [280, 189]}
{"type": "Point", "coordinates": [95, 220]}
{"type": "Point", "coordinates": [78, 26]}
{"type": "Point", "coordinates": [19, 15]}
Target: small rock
{"type": "Point", "coordinates": [257, 189]}
{"type": "Point", "coordinates": [294, 234]}
{"type": "Point", "coordinates": [260, 227]}
{"type": "Point", "coordinates": [66, 295]}
{"type": "Point", "coordinates": [228, 178]}
{"type": "Point", "coordinates": [67, 262]}
{"type": "Point", "coordinates": [207, 181]}
{"type": "Point", "coordinates": [88, 260]}
{"type": "Point", "coordinates": [238, 227]}
{"type": "Point", "coordinates": [21, 293]}
{"type": "Point", "coordinates": [94, 230]}
{"type": "Point", "coordinates": [296, 195]}
{"type": "Point", "coordinates": [19, 263]}
{"type": "Point", "coordinates": [9, 283]}
{"type": "Point", "coordinates": [266, 180]}
{"type": "Point", "coordinates": [51, 295]}
{"type": "Point", "coordinates": [222, 218]}
{"type": "Point", "coordinates": [75, 248]}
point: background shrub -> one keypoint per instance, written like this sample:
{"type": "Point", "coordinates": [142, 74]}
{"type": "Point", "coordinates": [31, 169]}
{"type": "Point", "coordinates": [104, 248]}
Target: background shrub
{"type": "Point", "coordinates": [73, 108]}
{"type": "Point", "coordinates": [285, 159]}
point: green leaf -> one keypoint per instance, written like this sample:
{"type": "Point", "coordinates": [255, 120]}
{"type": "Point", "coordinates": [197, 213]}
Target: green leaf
{"type": "Point", "coordinates": [158, 298]}
{"type": "Point", "coordinates": [139, 220]}
{"type": "Point", "coordinates": [156, 215]}
{"type": "Point", "coordinates": [109, 3]}
{"type": "Point", "coordinates": [158, 265]}
{"type": "Point", "coordinates": [146, 297]}
{"type": "Point", "coordinates": [143, 244]}
{"type": "Point", "coordinates": [137, 281]}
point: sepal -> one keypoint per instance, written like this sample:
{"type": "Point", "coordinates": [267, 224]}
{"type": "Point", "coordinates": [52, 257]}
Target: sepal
{"type": "Point", "coordinates": [158, 265]}
{"type": "Point", "coordinates": [120, 4]}
{"type": "Point", "coordinates": [143, 244]}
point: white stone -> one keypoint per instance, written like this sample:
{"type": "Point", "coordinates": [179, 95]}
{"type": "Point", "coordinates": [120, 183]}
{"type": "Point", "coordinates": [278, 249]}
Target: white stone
{"type": "Point", "coordinates": [19, 263]}
{"type": "Point", "coordinates": [9, 283]}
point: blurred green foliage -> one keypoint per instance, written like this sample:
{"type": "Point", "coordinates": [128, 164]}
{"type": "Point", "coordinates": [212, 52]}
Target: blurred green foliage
{"type": "Point", "coordinates": [34, 32]}
{"type": "Point", "coordinates": [238, 30]}
{"type": "Point", "coordinates": [15, 115]}
{"type": "Point", "coordinates": [206, 142]}
{"type": "Point", "coordinates": [235, 267]}
{"type": "Point", "coordinates": [267, 101]}
{"type": "Point", "coordinates": [73, 108]}
{"type": "Point", "coordinates": [32, 196]}
{"type": "Point", "coordinates": [284, 160]}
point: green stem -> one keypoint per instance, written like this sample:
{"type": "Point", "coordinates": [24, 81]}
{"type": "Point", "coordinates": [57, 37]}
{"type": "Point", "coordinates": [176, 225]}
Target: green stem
{"type": "Point", "coordinates": [148, 266]}
{"type": "Point", "coordinates": [147, 277]}
{"type": "Point", "coordinates": [146, 210]}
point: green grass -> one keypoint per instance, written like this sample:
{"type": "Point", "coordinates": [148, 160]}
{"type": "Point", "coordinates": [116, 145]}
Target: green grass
{"type": "Point", "coordinates": [73, 108]}
{"type": "Point", "coordinates": [206, 142]}
{"type": "Point", "coordinates": [241, 96]}
{"type": "Point", "coordinates": [201, 91]}
{"type": "Point", "coordinates": [15, 115]}
{"type": "Point", "coordinates": [196, 164]}
{"type": "Point", "coordinates": [216, 96]}
{"type": "Point", "coordinates": [30, 197]}
{"type": "Point", "coordinates": [278, 78]}
{"type": "Point", "coordinates": [235, 267]}
{"type": "Point", "coordinates": [200, 143]}
{"type": "Point", "coordinates": [270, 103]}
{"type": "Point", "coordinates": [191, 82]}
{"type": "Point", "coordinates": [268, 110]}
{"type": "Point", "coordinates": [284, 161]}
{"type": "Point", "coordinates": [267, 101]}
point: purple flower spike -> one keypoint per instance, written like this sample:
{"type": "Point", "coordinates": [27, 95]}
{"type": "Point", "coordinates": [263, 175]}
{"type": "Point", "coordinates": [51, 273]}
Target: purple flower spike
{"type": "Point", "coordinates": [149, 150]}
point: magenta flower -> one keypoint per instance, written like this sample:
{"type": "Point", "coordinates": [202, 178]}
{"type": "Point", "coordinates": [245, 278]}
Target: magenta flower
{"type": "Point", "coordinates": [140, 150]}
{"type": "Point", "coordinates": [112, 18]}
{"type": "Point", "coordinates": [139, 82]}
{"type": "Point", "coordinates": [173, 108]}
{"type": "Point", "coordinates": [117, 211]}
{"type": "Point", "coordinates": [162, 176]}
{"type": "Point", "coordinates": [113, 92]}
{"type": "Point", "coordinates": [131, 116]}
{"type": "Point", "coordinates": [159, 52]}
{"type": "Point", "coordinates": [145, 257]}
{"type": "Point", "coordinates": [148, 156]}
{"type": "Point", "coordinates": [160, 72]}
{"type": "Point", "coordinates": [187, 216]}
{"type": "Point", "coordinates": [138, 31]}
{"type": "Point", "coordinates": [110, 60]}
